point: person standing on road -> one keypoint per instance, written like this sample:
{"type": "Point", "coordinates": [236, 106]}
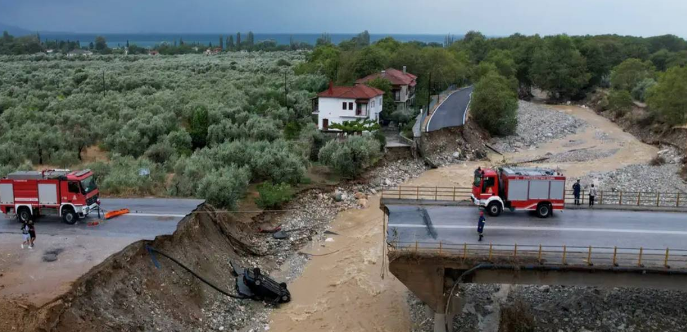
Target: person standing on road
{"type": "Point", "coordinates": [592, 195]}
{"type": "Point", "coordinates": [25, 235]}
{"type": "Point", "coordinates": [480, 225]}
{"type": "Point", "coordinates": [32, 234]}
{"type": "Point", "coordinates": [576, 191]}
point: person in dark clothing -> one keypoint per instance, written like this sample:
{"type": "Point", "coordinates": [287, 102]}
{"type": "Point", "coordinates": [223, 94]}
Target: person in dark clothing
{"type": "Point", "coordinates": [480, 225]}
{"type": "Point", "coordinates": [32, 234]}
{"type": "Point", "coordinates": [576, 192]}
{"type": "Point", "coordinates": [592, 195]}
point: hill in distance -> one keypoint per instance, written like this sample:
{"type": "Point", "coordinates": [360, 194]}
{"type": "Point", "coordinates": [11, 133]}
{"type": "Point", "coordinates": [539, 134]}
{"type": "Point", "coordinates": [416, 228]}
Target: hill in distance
{"type": "Point", "coordinates": [13, 30]}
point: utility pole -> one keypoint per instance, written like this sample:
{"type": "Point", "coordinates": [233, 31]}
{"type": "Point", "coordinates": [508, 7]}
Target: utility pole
{"type": "Point", "coordinates": [429, 92]}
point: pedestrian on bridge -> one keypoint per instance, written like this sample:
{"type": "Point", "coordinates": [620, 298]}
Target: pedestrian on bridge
{"type": "Point", "coordinates": [576, 191]}
{"type": "Point", "coordinates": [592, 195]}
{"type": "Point", "coordinates": [480, 225]}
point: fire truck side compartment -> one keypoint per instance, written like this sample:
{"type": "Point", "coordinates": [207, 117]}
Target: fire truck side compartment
{"type": "Point", "coordinates": [517, 190]}
{"type": "Point", "coordinates": [25, 191]}
{"type": "Point", "coordinates": [539, 189]}
{"type": "Point", "coordinates": [557, 189]}
{"type": "Point", "coordinates": [47, 193]}
{"type": "Point", "coordinates": [6, 193]}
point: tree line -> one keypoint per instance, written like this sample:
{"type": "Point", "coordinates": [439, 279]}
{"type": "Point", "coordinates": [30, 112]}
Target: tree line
{"type": "Point", "coordinates": [565, 67]}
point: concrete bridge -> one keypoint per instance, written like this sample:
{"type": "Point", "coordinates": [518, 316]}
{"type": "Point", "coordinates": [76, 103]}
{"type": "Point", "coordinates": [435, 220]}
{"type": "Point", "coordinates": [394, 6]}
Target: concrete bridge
{"type": "Point", "coordinates": [433, 246]}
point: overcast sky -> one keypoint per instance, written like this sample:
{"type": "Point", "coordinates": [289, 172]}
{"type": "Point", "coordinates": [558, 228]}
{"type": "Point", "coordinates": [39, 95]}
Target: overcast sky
{"type": "Point", "coordinates": [492, 17]}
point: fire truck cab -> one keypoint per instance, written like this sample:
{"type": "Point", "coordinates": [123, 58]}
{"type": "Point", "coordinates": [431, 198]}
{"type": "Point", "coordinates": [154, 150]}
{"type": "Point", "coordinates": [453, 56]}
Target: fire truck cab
{"type": "Point", "coordinates": [68, 194]}
{"type": "Point", "coordinates": [524, 188]}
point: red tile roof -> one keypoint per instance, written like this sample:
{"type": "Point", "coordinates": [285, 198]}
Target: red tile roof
{"type": "Point", "coordinates": [351, 92]}
{"type": "Point", "coordinates": [395, 76]}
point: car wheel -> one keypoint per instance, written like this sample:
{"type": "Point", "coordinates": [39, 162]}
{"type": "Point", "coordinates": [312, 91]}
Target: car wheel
{"type": "Point", "coordinates": [69, 217]}
{"type": "Point", "coordinates": [257, 282]}
{"type": "Point", "coordinates": [285, 298]}
{"type": "Point", "coordinates": [494, 209]}
{"type": "Point", "coordinates": [543, 210]}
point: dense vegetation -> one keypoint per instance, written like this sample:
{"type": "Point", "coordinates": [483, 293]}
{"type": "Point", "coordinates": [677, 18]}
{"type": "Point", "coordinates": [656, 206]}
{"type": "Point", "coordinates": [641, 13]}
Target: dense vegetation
{"type": "Point", "coordinates": [566, 67]}
{"type": "Point", "coordinates": [187, 125]}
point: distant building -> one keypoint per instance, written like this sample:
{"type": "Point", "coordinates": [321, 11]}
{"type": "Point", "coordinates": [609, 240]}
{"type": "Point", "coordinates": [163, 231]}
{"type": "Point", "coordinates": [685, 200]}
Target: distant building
{"type": "Point", "coordinates": [213, 51]}
{"type": "Point", "coordinates": [402, 85]}
{"type": "Point", "coordinates": [347, 103]}
{"type": "Point", "coordinates": [79, 52]}
{"type": "Point", "coordinates": [153, 52]}
{"type": "Point", "coordinates": [49, 51]}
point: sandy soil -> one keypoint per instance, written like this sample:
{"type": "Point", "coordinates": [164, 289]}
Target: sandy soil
{"type": "Point", "coordinates": [344, 291]}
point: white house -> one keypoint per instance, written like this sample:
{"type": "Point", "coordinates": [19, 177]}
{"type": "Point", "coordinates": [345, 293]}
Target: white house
{"type": "Point", "coordinates": [402, 85]}
{"type": "Point", "coordinates": [347, 103]}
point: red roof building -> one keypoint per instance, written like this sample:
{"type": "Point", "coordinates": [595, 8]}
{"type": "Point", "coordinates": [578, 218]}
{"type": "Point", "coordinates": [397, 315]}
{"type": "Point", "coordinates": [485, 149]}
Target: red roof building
{"type": "Point", "coordinates": [402, 84]}
{"type": "Point", "coordinates": [347, 103]}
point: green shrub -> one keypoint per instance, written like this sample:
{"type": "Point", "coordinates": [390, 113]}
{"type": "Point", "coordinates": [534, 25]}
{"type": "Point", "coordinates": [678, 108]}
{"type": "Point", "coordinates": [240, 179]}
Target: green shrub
{"type": "Point", "coordinates": [494, 105]}
{"type": "Point", "coordinates": [669, 97]}
{"type": "Point", "coordinates": [273, 196]}
{"type": "Point", "coordinates": [225, 186]}
{"type": "Point", "coordinates": [283, 63]}
{"type": "Point", "coordinates": [640, 91]}
{"type": "Point", "coordinates": [352, 156]}
{"type": "Point", "coordinates": [619, 101]}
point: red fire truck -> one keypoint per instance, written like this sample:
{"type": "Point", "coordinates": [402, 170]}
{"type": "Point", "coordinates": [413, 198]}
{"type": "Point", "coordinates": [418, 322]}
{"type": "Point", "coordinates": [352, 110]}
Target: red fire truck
{"type": "Point", "coordinates": [70, 195]}
{"type": "Point", "coordinates": [533, 189]}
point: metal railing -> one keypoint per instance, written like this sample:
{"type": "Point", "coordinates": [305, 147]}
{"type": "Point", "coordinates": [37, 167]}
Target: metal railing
{"type": "Point", "coordinates": [615, 198]}
{"type": "Point", "coordinates": [550, 255]}
{"type": "Point", "coordinates": [428, 193]}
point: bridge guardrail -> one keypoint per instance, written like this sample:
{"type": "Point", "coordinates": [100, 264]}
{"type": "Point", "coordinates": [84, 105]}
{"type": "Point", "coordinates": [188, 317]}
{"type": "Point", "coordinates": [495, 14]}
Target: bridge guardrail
{"type": "Point", "coordinates": [613, 198]}
{"type": "Point", "coordinates": [551, 255]}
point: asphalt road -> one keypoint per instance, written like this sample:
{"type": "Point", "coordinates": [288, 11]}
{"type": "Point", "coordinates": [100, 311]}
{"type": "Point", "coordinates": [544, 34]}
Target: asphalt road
{"type": "Point", "coordinates": [451, 112]}
{"type": "Point", "coordinates": [598, 228]}
{"type": "Point", "coordinates": [149, 217]}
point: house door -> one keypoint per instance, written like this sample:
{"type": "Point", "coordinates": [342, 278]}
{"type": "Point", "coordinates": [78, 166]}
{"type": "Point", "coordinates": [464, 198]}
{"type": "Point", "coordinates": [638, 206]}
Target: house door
{"type": "Point", "coordinates": [325, 124]}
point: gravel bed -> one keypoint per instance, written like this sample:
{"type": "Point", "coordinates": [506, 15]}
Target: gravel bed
{"type": "Point", "coordinates": [538, 124]}
{"type": "Point", "coordinates": [633, 178]}
{"type": "Point", "coordinates": [568, 309]}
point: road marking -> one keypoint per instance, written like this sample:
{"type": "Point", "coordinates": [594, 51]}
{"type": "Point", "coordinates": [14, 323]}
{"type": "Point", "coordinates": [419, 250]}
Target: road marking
{"type": "Point", "coordinates": [156, 215]}
{"type": "Point", "coordinates": [548, 229]}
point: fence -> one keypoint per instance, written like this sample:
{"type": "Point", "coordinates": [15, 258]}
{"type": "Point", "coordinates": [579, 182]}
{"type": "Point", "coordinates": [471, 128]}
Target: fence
{"type": "Point", "coordinates": [550, 255]}
{"type": "Point", "coordinates": [615, 198]}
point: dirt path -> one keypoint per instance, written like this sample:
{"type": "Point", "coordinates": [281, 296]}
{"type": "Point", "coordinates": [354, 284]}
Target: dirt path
{"type": "Point", "coordinates": [344, 291]}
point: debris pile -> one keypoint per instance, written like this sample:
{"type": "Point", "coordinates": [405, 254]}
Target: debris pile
{"type": "Point", "coordinates": [538, 124]}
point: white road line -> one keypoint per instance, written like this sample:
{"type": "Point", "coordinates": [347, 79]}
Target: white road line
{"type": "Point", "coordinates": [549, 229]}
{"type": "Point", "coordinates": [155, 215]}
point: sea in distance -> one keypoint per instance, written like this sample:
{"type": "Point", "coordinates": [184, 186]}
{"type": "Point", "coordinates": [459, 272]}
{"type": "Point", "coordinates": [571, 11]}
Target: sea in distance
{"type": "Point", "coordinates": [149, 40]}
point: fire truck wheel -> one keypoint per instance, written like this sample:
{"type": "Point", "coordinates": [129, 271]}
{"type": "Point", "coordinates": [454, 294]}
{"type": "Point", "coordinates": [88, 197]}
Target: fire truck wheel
{"type": "Point", "coordinates": [543, 210]}
{"type": "Point", "coordinates": [24, 214]}
{"type": "Point", "coordinates": [494, 209]}
{"type": "Point", "coordinates": [69, 216]}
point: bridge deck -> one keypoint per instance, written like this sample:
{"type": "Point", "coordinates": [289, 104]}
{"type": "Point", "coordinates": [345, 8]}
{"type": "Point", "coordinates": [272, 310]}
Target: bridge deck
{"type": "Point", "coordinates": [619, 234]}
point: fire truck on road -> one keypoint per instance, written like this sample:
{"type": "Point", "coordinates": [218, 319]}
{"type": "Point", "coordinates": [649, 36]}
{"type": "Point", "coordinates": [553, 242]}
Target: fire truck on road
{"type": "Point", "coordinates": [69, 194]}
{"type": "Point", "coordinates": [523, 188]}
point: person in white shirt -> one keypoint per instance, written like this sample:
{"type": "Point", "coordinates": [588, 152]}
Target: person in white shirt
{"type": "Point", "coordinates": [592, 195]}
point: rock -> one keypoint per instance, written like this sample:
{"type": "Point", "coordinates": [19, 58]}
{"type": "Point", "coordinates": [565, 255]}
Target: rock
{"type": "Point", "coordinates": [338, 196]}
{"type": "Point", "coordinates": [363, 202]}
{"type": "Point", "coordinates": [359, 195]}
{"type": "Point", "coordinates": [456, 155]}
{"type": "Point", "coordinates": [545, 288]}
{"type": "Point", "coordinates": [373, 191]}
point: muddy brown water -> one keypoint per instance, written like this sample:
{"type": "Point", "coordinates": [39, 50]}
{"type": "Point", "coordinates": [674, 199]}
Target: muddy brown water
{"type": "Point", "coordinates": [349, 289]}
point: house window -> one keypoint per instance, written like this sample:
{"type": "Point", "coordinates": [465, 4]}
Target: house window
{"type": "Point", "coordinates": [373, 103]}
{"type": "Point", "coordinates": [350, 106]}
{"type": "Point", "coordinates": [343, 105]}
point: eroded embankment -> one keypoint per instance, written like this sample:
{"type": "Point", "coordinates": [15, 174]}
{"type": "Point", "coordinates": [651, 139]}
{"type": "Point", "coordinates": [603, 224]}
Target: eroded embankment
{"type": "Point", "coordinates": [127, 293]}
